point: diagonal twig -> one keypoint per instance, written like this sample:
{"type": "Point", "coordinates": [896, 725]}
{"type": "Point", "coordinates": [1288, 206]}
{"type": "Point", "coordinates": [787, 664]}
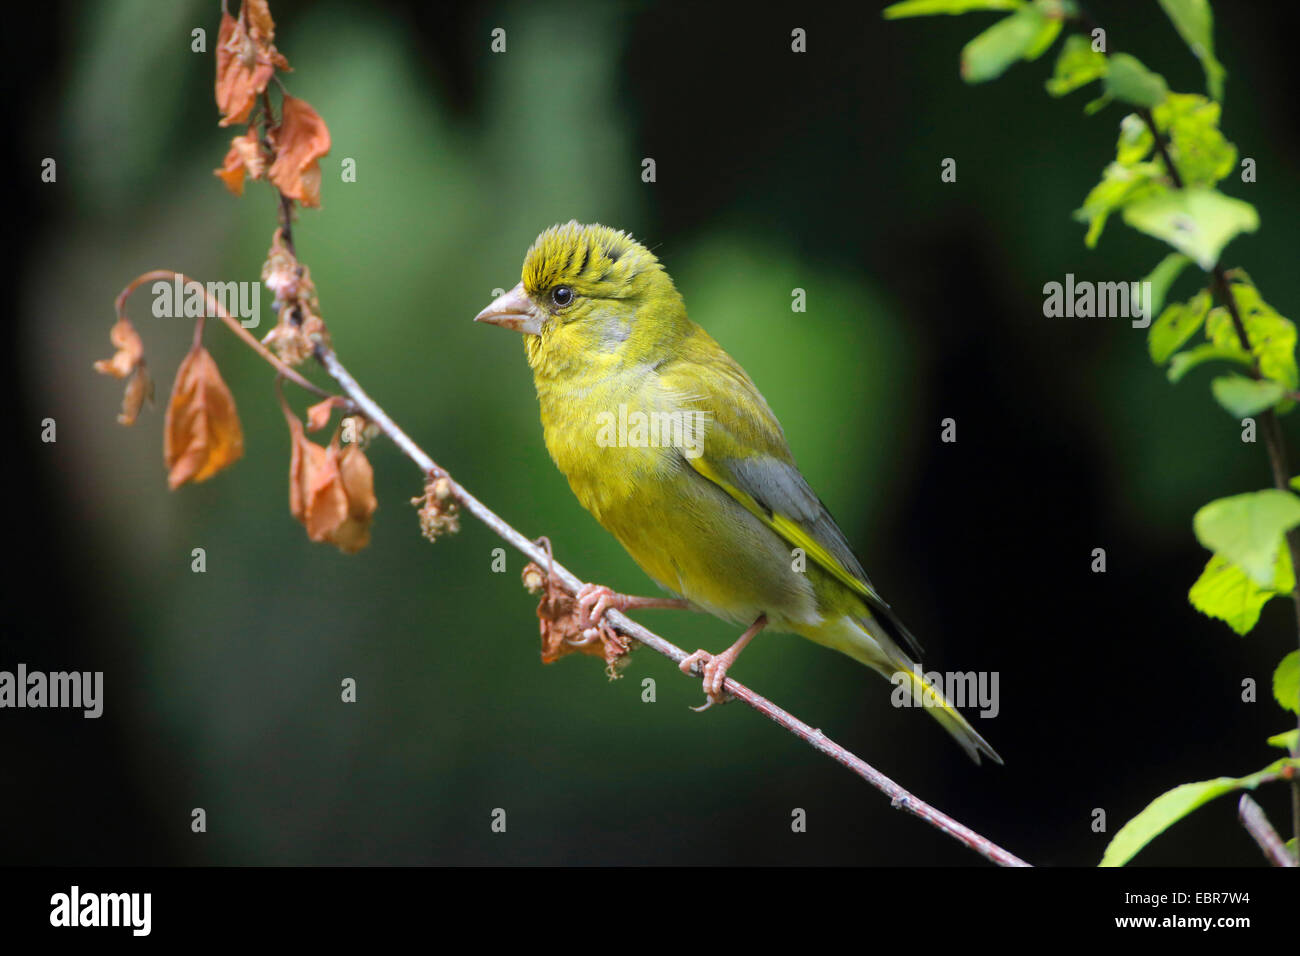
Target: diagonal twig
{"type": "Point", "coordinates": [899, 797]}
{"type": "Point", "coordinates": [1256, 823]}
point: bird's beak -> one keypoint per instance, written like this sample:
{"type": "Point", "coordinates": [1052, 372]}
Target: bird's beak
{"type": "Point", "coordinates": [513, 310]}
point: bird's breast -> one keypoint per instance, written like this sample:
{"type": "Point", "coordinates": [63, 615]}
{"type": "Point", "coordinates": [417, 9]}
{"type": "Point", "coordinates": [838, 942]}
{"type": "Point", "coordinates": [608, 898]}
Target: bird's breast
{"type": "Point", "coordinates": [611, 438]}
{"type": "Point", "coordinates": [624, 447]}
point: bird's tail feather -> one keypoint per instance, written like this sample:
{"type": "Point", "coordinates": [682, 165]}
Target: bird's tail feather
{"type": "Point", "coordinates": [948, 716]}
{"type": "Point", "coordinates": [868, 644]}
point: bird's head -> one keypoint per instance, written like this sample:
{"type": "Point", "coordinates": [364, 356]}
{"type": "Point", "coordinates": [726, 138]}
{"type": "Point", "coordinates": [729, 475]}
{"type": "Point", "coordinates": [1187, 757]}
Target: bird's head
{"type": "Point", "coordinates": [590, 295]}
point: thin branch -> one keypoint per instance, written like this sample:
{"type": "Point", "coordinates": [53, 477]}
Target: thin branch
{"type": "Point", "coordinates": [899, 797]}
{"type": "Point", "coordinates": [1273, 438]}
{"type": "Point", "coordinates": [1256, 823]}
{"type": "Point", "coordinates": [1161, 147]}
{"type": "Point", "coordinates": [1274, 441]}
{"type": "Point", "coordinates": [215, 308]}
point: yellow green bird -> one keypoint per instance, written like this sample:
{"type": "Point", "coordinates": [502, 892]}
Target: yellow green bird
{"type": "Point", "coordinates": [668, 443]}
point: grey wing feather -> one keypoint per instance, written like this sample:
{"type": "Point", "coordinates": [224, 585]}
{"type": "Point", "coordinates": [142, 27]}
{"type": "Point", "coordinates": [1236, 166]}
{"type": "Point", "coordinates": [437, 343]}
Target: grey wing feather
{"type": "Point", "coordinates": [778, 486]}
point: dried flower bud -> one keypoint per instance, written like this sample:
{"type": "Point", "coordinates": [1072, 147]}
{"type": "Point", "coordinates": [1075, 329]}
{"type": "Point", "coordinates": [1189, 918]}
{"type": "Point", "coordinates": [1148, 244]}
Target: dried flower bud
{"type": "Point", "coordinates": [294, 338]}
{"type": "Point", "coordinates": [439, 511]}
{"type": "Point", "coordinates": [534, 578]}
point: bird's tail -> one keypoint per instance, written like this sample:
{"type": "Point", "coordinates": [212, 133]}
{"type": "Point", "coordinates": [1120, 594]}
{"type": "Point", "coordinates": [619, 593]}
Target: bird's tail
{"type": "Point", "coordinates": [879, 652]}
{"type": "Point", "coordinates": [942, 710]}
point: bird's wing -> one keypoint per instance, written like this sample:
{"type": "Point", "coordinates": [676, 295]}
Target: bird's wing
{"type": "Point", "coordinates": [744, 452]}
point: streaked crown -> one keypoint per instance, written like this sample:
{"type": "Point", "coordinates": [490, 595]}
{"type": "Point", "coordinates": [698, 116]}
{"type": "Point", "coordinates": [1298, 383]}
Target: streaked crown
{"type": "Point", "coordinates": [596, 260]}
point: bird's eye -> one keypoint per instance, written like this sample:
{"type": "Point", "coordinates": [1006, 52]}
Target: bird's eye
{"type": "Point", "coordinates": [561, 295]}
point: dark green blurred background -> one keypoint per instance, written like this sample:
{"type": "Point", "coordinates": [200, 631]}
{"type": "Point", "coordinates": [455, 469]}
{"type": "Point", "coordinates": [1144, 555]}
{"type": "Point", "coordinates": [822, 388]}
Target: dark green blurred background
{"type": "Point", "coordinates": [774, 171]}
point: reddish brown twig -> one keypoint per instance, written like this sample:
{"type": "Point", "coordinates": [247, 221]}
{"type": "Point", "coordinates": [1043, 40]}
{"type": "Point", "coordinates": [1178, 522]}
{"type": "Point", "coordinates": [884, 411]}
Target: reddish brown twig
{"type": "Point", "coordinates": [899, 797]}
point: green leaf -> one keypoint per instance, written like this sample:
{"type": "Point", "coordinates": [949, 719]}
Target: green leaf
{"type": "Point", "coordinates": [1161, 278]}
{"type": "Point", "coordinates": [1172, 806]}
{"type": "Point", "coordinates": [1024, 35]}
{"type": "Point", "coordinates": [1197, 222]}
{"type": "Point", "coordinates": [1286, 740]}
{"type": "Point", "coordinates": [1135, 140]}
{"type": "Point", "coordinates": [1077, 65]}
{"type": "Point", "coordinates": [1119, 186]}
{"type": "Point", "coordinates": [1047, 35]}
{"type": "Point", "coordinates": [929, 8]}
{"type": "Point", "coordinates": [1178, 322]}
{"type": "Point", "coordinates": [1286, 682]}
{"type": "Point", "coordinates": [1184, 362]}
{"type": "Point", "coordinates": [1128, 80]}
{"type": "Point", "coordinates": [1097, 105]}
{"type": "Point", "coordinates": [1224, 592]}
{"type": "Point", "coordinates": [1295, 482]}
{"type": "Point", "coordinates": [1272, 336]}
{"type": "Point", "coordinates": [1195, 24]}
{"type": "Point", "coordinates": [1247, 530]}
{"type": "Point", "coordinates": [1244, 397]}
{"type": "Point", "coordinates": [1160, 814]}
{"type": "Point", "coordinates": [1196, 146]}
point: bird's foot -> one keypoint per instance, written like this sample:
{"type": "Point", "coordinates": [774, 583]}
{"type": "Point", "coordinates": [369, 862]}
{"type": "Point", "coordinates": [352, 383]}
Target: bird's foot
{"type": "Point", "coordinates": [714, 669]}
{"type": "Point", "coordinates": [714, 666]}
{"type": "Point", "coordinates": [595, 599]}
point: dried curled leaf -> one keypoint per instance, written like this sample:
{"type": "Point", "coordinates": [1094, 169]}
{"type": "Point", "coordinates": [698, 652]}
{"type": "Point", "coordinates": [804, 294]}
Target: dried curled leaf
{"type": "Point", "coordinates": [130, 350]}
{"type": "Point", "coordinates": [318, 415]}
{"type": "Point", "coordinates": [560, 623]}
{"type": "Point", "coordinates": [244, 158]}
{"type": "Point", "coordinates": [257, 14]}
{"type": "Point", "coordinates": [300, 140]}
{"type": "Point", "coordinates": [202, 433]}
{"type": "Point", "coordinates": [138, 390]}
{"type": "Point", "coordinates": [246, 61]}
{"type": "Point", "coordinates": [358, 480]}
{"type": "Point", "coordinates": [128, 362]}
{"type": "Point", "coordinates": [331, 492]}
{"type": "Point", "coordinates": [316, 496]}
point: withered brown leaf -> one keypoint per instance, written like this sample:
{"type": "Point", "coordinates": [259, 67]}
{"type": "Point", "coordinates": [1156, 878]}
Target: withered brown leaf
{"type": "Point", "coordinates": [358, 480]}
{"type": "Point", "coordinates": [201, 434]}
{"type": "Point", "coordinates": [128, 362]}
{"type": "Point", "coordinates": [244, 66]}
{"type": "Point", "coordinates": [316, 495]}
{"type": "Point", "coordinates": [300, 141]}
{"type": "Point", "coordinates": [243, 158]}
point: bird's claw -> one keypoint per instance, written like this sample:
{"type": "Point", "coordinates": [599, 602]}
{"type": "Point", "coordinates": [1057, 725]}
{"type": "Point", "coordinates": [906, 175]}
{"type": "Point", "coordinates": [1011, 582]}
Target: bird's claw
{"type": "Point", "coordinates": [593, 601]}
{"type": "Point", "coordinates": [714, 670]}
{"type": "Point", "coordinates": [588, 635]}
